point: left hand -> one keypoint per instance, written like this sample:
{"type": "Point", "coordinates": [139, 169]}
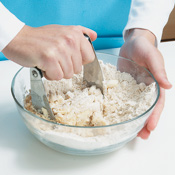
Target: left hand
{"type": "Point", "coordinates": [140, 47]}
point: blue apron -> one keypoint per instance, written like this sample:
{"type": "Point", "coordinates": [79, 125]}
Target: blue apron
{"type": "Point", "coordinates": [108, 18]}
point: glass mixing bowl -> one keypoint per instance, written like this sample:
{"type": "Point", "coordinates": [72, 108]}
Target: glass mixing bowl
{"type": "Point", "coordinates": [78, 140]}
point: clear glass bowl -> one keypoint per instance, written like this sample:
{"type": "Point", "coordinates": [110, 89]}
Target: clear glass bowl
{"type": "Point", "coordinates": [78, 140]}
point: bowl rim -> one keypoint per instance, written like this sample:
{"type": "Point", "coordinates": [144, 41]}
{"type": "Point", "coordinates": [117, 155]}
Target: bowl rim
{"type": "Point", "coordinates": [104, 126]}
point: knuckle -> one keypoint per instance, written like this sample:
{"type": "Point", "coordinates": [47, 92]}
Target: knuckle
{"type": "Point", "coordinates": [60, 47]}
{"type": "Point", "coordinates": [92, 56]}
{"type": "Point", "coordinates": [49, 75]}
{"type": "Point", "coordinates": [70, 40]}
{"type": "Point", "coordinates": [76, 29]}
{"type": "Point", "coordinates": [54, 75]}
{"type": "Point", "coordinates": [87, 61]}
{"type": "Point", "coordinates": [90, 59]}
{"type": "Point", "coordinates": [48, 55]}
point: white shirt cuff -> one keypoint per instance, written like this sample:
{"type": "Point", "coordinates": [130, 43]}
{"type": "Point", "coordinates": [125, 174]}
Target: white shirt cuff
{"type": "Point", "coordinates": [150, 15]}
{"type": "Point", "coordinates": [9, 26]}
{"type": "Point", "coordinates": [142, 25]}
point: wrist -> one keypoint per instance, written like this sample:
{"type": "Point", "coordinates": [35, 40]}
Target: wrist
{"type": "Point", "coordinates": [133, 34]}
{"type": "Point", "coordinates": [14, 46]}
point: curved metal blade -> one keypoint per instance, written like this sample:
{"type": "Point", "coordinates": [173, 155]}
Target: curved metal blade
{"type": "Point", "coordinates": [92, 74]}
{"type": "Point", "coordinates": [39, 98]}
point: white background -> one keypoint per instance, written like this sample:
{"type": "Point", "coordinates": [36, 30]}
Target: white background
{"type": "Point", "coordinates": [22, 154]}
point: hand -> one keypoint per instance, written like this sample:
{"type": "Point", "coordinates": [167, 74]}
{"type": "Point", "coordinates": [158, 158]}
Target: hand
{"type": "Point", "coordinates": [140, 47]}
{"type": "Point", "coordinates": [59, 51]}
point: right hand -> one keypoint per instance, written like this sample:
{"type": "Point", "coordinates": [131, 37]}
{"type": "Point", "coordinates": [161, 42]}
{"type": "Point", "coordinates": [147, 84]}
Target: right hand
{"type": "Point", "coordinates": [59, 51]}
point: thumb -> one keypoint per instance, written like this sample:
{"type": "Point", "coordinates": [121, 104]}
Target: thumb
{"type": "Point", "coordinates": [92, 34]}
{"type": "Point", "coordinates": [156, 66]}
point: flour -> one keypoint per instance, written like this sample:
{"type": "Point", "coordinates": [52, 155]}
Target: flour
{"type": "Point", "coordinates": [74, 104]}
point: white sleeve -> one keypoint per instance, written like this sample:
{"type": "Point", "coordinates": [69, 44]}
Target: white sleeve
{"type": "Point", "coordinates": [149, 14]}
{"type": "Point", "coordinates": [9, 26]}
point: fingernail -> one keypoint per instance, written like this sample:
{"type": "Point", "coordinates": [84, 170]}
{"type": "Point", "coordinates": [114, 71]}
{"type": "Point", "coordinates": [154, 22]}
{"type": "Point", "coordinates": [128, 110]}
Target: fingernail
{"type": "Point", "coordinates": [167, 82]}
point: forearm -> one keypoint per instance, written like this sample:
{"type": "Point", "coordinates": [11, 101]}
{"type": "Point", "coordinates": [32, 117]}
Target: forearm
{"type": "Point", "coordinates": [9, 26]}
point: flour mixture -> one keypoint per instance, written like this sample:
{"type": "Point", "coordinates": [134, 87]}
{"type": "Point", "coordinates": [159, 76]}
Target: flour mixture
{"type": "Point", "coordinates": [74, 104]}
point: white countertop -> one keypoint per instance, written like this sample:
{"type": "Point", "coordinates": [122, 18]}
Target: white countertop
{"type": "Point", "coordinates": [22, 154]}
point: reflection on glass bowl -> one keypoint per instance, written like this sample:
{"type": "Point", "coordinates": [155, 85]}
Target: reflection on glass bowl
{"type": "Point", "coordinates": [79, 140]}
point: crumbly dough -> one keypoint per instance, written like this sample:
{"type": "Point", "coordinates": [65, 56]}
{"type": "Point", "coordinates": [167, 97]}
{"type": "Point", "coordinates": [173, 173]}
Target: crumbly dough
{"type": "Point", "coordinates": [75, 104]}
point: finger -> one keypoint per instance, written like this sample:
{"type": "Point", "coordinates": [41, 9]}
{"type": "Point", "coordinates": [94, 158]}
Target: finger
{"type": "Point", "coordinates": [53, 72]}
{"type": "Point", "coordinates": [66, 65]}
{"type": "Point", "coordinates": [77, 62]}
{"type": "Point", "coordinates": [155, 116]}
{"type": "Point", "coordinates": [144, 133]}
{"type": "Point", "coordinates": [87, 52]}
{"type": "Point", "coordinates": [156, 66]}
{"type": "Point", "coordinates": [92, 34]}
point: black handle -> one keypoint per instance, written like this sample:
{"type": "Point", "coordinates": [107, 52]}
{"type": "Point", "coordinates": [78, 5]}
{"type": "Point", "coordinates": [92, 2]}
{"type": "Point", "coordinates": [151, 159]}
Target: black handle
{"type": "Point", "coordinates": [87, 37]}
{"type": "Point", "coordinates": [40, 72]}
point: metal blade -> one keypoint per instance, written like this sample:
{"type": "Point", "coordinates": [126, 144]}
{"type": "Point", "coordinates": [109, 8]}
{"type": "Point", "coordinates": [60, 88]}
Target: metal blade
{"type": "Point", "coordinates": [39, 98]}
{"type": "Point", "coordinates": [92, 74]}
